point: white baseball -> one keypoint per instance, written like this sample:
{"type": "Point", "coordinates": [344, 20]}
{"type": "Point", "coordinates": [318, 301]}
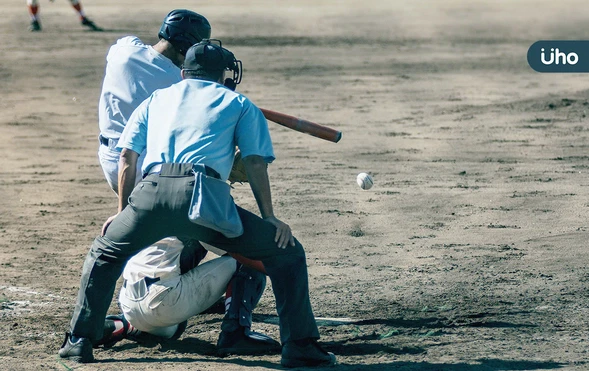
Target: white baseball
{"type": "Point", "coordinates": [364, 181]}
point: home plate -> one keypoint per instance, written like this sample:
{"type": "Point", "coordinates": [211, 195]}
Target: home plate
{"type": "Point", "coordinates": [321, 321]}
{"type": "Point", "coordinates": [335, 321]}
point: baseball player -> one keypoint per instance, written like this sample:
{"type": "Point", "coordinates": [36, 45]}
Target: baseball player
{"type": "Point", "coordinates": [133, 71]}
{"type": "Point", "coordinates": [189, 155]}
{"type": "Point", "coordinates": [33, 6]}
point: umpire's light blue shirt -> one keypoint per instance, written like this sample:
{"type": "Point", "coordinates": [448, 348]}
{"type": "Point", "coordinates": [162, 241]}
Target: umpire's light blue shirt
{"type": "Point", "coordinates": [197, 121]}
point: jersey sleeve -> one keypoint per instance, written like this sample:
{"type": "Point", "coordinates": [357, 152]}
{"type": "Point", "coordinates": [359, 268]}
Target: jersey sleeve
{"type": "Point", "coordinates": [252, 135]}
{"type": "Point", "coordinates": [122, 43]}
{"type": "Point", "coordinates": [134, 136]}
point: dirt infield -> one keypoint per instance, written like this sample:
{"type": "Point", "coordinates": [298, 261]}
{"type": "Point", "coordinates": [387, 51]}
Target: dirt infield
{"type": "Point", "coordinates": [470, 251]}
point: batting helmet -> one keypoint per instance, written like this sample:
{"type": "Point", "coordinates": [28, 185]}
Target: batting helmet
{"type": "Point", "coordinates": [184, 28]}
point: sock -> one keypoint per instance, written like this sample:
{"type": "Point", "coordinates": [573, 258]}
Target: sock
{"type": "Point", "coordinates": [229, 324]}
{"type": "Point", "coordinates": [132, 331]}
{"type": "Point", "coordinates": [119, 328]}
{"type": "Point", "coordinates": [228, 295]}
{"type": "Point", "coordinates": [79, 9]}
{"type": "Point", "coordinates": [33, 10]}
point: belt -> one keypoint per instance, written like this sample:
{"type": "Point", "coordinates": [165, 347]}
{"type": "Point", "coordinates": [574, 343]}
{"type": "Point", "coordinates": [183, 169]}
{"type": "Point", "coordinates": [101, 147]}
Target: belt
{"type": "Point", "coordinates": [148, 281]}
{"type": "Point", "coordinates": [209, 171]}
{"type": "Point", "coordinates": [106, 141]}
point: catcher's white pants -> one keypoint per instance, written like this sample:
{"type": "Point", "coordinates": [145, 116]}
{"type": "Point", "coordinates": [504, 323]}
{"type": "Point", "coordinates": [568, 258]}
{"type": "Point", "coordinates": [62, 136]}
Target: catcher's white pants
{"type": "Point", "coordinates": [159, 308]}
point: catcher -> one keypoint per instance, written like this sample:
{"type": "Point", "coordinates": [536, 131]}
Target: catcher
{"type": "Point", "coordinates": [165, 286]}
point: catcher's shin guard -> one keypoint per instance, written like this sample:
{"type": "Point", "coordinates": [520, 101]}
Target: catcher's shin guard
{"type": "Point", "coordinates": [243, 294]}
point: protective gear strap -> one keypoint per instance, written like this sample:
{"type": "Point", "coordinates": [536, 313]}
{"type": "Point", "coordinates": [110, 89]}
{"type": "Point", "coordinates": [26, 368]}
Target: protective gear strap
{"type": "Point", "coordinates": [246, 287]}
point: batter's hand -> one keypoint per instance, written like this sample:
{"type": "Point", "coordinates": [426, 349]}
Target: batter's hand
{"type": "Point", "coordinates": [107, 223]}
{"type": "Point", "coordinates": [283, 233]}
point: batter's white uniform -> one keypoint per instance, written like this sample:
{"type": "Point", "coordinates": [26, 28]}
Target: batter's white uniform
{"type": "Point", "coordinates": [134, 71]}
{"type": "Point", "coordinates": [159, 308]}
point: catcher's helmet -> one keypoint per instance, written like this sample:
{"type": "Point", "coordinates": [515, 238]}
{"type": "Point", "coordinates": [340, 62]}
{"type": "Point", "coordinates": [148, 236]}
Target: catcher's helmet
{"type": "Point", "coordinates": [184, 28]}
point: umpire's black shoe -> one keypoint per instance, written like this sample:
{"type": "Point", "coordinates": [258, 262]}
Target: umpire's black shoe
{"type": "Point", "coordinates": [245, 342]}
{"type": "Point", "coordinates": [307, 355]}
{"type": "Point", "coordinates": [80, 351]}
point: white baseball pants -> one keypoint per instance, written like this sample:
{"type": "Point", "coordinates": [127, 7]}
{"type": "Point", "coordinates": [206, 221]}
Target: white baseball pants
{"type": "Point", "coordinates": [170, 302]}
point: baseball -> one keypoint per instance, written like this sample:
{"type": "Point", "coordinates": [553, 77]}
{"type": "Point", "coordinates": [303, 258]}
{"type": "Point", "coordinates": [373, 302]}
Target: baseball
{"type": "Point", "coordinates": [364, 181]}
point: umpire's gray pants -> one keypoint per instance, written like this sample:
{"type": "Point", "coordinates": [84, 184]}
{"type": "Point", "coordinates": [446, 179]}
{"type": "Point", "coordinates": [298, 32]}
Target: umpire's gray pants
{"type": "Point", "coordinates": [158, 208]}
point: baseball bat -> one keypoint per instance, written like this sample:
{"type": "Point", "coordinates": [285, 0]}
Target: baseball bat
{"type": "Point", "coordinates": [303, 126]}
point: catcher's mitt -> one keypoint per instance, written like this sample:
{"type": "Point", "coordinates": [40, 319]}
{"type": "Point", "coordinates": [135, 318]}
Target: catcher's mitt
{"type": "Point", "coordinates": [238, 173]}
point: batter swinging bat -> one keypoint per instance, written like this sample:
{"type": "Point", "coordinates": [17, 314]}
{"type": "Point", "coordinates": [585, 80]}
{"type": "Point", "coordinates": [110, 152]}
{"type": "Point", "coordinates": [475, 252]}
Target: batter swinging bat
{"type": "Point", "coordinates": [303, 126]}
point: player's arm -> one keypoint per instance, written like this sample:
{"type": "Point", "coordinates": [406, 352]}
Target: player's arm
{"type": "Point", "coordinates": [127, 175]}
{"type": "Point", "coordinates": [257, 173]}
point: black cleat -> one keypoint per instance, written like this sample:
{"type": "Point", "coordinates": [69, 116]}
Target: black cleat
{"type": "Point", "coordinates": [91, 25]}
{"type": "Point", "coordinates": [35, 26]}
{"type": "Point", "coordinates": [80, 351]}
{"type": "Point", "coordinates": [309, 355]}
{"type": "Point", "coordinates": [246, 342]}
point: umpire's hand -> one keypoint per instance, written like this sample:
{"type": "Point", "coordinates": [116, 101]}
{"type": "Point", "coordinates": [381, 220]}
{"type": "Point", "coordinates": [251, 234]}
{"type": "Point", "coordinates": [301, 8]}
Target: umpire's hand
{"type": "Point", "coordinates": [283, 233]}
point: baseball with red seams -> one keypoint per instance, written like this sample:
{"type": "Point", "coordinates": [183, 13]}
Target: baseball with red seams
{"type": "Point", "coordinates": [364, 181]}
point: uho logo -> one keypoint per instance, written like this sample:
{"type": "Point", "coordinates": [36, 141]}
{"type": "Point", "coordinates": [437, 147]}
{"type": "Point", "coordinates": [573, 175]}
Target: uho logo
{"type": "Point", "coordinates": [559, 56]}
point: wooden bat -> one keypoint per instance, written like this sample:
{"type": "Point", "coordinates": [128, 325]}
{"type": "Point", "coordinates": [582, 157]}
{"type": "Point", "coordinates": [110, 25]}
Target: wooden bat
{"type": "Point", "coordinates": [303, 126]}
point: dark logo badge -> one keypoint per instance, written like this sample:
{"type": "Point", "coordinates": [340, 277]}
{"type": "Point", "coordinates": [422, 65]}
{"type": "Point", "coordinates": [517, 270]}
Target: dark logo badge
{"type": "Point", "coordinates": [559, 56]}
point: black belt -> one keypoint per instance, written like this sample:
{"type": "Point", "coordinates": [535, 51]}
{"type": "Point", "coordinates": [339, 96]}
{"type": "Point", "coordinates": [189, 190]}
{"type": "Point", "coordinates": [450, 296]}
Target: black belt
{"type": "Point", "coordinates": [181, 170]}
{"type": "Point", "coordinates": [148, 281]}
{"type": "Point", "coordinates": [104, 140]}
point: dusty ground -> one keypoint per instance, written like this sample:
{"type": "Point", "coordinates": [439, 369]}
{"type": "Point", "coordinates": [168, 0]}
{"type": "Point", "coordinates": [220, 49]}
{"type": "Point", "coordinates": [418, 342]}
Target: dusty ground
{"type": "Point", "coordinates": [470, 251]}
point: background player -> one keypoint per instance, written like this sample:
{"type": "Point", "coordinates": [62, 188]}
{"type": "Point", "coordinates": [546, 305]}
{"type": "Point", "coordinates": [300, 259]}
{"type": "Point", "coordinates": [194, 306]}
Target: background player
{"type": "Point", "coordinates": [33, 6]}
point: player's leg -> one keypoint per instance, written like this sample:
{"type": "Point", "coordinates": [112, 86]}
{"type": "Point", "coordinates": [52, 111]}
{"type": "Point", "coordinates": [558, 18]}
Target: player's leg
{"type": "Point", "coordinates": [117, 328]}
{"type": "Point", "coordinates": [161, 306]}
{"type": "Point", "coordinates": [242, 296]}
{"type": "Point", "coordinates": [287, 270]}
{"type": "Point", "coordinates": [83, 19]}
{"type": "Point", "coordinates": [131, 231]}
{"type": "Point", "coordinates": [33, 6]}
{"type": "Point", "coordinates": [108, 157]}
{"type": "Point", "coordinates": [109, 162]}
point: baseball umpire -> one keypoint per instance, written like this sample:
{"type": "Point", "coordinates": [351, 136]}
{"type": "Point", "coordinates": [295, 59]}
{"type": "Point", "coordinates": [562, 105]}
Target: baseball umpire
{"type": "Point", "coordinates": [189, 153]}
